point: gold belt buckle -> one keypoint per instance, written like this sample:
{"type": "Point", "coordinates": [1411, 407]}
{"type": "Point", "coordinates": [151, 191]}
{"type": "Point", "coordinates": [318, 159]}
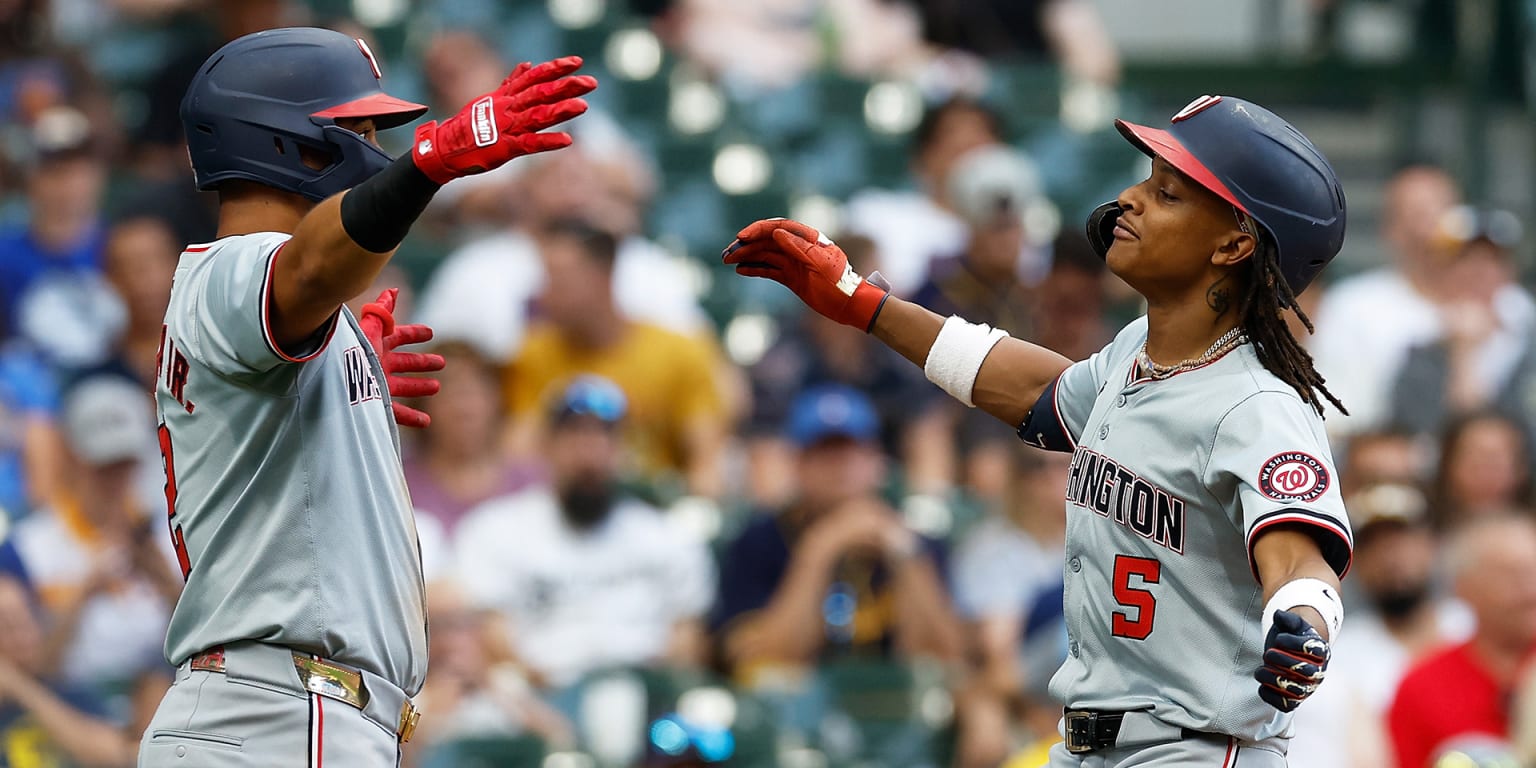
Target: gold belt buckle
{"type": "Point", "coordinates": [1079, 732]}
{"type": "Point", "coordinates": [331, 680]}
{"type": "Point", "coordinates": [409, 716]}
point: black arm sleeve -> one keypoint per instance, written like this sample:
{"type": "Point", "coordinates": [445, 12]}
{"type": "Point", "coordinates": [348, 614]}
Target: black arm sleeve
{"type": "Point", "coordinates": [378, 212]}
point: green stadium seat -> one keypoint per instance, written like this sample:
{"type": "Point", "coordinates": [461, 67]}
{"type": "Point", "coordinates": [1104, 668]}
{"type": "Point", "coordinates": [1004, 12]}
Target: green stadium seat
{"type": "Point", "coordinates": [487, 752]}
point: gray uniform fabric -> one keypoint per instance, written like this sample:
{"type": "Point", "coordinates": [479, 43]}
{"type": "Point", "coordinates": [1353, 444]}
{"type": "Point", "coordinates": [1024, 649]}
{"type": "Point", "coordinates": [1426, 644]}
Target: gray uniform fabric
{"type": "Point", "coordinates": [286, 478]}
{"type": "Point", "coordinates": [1204, 752]}
{"type": "Point", "coordinates": [1170, 483]}
{"type": "Point", "coordinates": [258, 715]}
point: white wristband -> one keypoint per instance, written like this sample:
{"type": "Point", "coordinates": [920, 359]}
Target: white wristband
{"type": "Point", "coordinates": [957, 354]}
{"type": "Point", "coordinates": [1313, 593]}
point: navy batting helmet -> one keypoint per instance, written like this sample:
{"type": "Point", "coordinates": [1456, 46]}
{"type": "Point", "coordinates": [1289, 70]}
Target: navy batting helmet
{"type": "Point", "coordinates": [255, 102]}
{"type": "Point", "coordinates": [1260, 164]}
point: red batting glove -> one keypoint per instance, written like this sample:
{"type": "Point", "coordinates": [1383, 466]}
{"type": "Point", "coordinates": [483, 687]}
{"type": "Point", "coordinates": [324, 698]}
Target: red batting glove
{"type": "Point", "coordinates": [810, 264]}
{"type": "Point", "coordinates": [378, 324]}
{"type": "Point", "coordinates": [505, 123]}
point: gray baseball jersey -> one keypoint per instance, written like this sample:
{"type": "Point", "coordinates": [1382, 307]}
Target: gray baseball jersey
{"type": "Point", "coordinates": [1171, 482]}
{"type": "Point", "coordinates": [288, 506]}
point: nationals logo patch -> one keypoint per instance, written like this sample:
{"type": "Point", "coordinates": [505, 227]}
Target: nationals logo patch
{"type": "Point", "coordinates": [1293, 476]}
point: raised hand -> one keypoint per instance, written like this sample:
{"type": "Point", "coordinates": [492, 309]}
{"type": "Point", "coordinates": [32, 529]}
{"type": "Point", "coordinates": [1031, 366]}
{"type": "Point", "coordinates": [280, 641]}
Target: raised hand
{"type": "Point", "coordinates": [810, 264]}
{"type": "Point", "coordinates": [505, 123]}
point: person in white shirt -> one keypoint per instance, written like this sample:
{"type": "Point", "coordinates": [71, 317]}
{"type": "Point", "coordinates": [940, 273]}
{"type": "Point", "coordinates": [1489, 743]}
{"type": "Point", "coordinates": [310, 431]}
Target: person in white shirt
{"type": "Point", "coordinates": [1367, 323]}
{"type": "Point", "coordinates": [484, 292]}
{"type": "Point", "coordinates": [100, 560]}
{"type": "Point", "coordinates": [584, 578]}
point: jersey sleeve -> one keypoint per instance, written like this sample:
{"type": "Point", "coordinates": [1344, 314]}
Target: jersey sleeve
{"type": "Point", "coordinates": [1056, 422]}
{"type": "Point", "coordinates": [1271, 465]}
{"type": "Point", "coordinates": [230, 306]}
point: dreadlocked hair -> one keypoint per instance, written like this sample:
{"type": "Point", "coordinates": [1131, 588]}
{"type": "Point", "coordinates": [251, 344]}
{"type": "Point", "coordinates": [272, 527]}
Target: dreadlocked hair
{"type": "Point", "coordinates": [1268, 296]}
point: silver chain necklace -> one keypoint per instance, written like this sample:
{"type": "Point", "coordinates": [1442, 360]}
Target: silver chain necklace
{"type": "Point", "coordinates": [1229, 341]}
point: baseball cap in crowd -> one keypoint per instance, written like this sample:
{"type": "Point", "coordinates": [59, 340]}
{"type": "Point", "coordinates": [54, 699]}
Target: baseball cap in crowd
{"type": "Point", "coordinates": [61, 133]}
{"type": "Point", "coordinates": [822, 413]}
{"type": "Point", "coordinates": [592, 396]}
{"type": "Point", "coordinates": [107, 419]}
{"type": "Point", "coordinates": [996, 180]}
{"type": "Point", "coordinates": [1376, 507]}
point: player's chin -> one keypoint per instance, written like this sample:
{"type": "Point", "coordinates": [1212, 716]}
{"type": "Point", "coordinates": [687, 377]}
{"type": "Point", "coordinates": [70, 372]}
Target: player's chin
{"type": "Point", "coordinates": [1121, 256]}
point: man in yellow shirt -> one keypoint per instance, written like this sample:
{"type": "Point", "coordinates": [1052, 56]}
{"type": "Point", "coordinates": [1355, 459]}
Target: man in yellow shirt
{"type": "Point", "coordinates": [678, 418]}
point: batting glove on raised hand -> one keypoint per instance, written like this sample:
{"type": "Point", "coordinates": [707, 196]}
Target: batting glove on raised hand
{"type": "Point", "coordinates": [505, 123]}
{"type": "Point", "coordinates": [378, 324]}
{"type": "Point", "coordinates": [1295, 662]}
{"type": "Point", "coordinates": [810, 264]}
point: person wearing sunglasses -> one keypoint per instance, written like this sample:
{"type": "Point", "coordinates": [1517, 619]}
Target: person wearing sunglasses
{"type": "Point", "coordinates": [582, 576]}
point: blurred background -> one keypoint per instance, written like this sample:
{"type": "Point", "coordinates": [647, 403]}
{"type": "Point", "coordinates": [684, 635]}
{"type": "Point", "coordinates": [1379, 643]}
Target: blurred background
{"type": "Point", "coordinates": [667, 517]}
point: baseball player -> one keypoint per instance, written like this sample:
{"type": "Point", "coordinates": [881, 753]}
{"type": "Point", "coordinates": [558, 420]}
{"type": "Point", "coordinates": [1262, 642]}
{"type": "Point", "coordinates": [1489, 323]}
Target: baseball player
{"type": "Point", "coordinates": [1205, 535]}
{"type": "Point", "coordinates": [300, 636]}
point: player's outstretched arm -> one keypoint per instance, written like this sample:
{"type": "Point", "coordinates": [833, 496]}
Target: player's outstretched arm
{"type": "Point", "coordinates": [340, 246]}
{"type": "Point", "coordinates": [1004, 378]}
{"type": "Point", "coordinates": [1301, 615]}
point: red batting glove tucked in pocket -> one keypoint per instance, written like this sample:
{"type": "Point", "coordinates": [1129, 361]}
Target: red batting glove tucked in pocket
{"type": "Point", "coordinates": [378, 324]}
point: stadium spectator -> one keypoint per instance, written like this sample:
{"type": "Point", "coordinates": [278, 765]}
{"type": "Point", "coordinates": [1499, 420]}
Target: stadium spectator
{"type": "Point", "coordinates": [1383, 456]}
{"type": "Point", "coordinates": [997, 193]}
{"type": "Point", "coordinates": [51, 292]}
{"type": "Point", "coordinates": [1070, 303]}
{"type": "Point", "coordinates": [1367, 323]}
{"type": "Point", "coordinates": [456, 465]}
{"type": "Point", "coordinates": [140, 259]}
{"type": "Point", "coordinates": [1008, 588]}
{"type": "Point", "coordinates": [836, 572]}
{"type": "Point", "coordinates": [584, 577]}
{"type": "Point", "coordinates": [1069, 32]}
{"type": "Point", "coordinates": [1484, 469]}
{"type": "Point", "coordinates": [912, 228]}
{"type": "Point", "coordinates": [44, 721]}
{"type": "Point", "coordinates": [677, 423]}
{"type": "Point", "coordinates": [757, 46]}
{"type": "Point", "coordinates": [475, 689]}
{"type": "Point", "coordinates": [1475, 360]}
{"type": "Point", "coordinates": [102, 563]}
{"type": "Point", "coordinates": [1462, 694]}
{"type": "Point", "coordinates": [483, 291]}
{"type": "Point", "coordinates": [1400, 618]}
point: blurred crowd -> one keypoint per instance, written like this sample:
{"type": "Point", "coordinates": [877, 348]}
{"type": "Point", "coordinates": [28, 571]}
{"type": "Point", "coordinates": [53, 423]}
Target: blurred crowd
{"type": "Point", "coordinates": [666, 517]}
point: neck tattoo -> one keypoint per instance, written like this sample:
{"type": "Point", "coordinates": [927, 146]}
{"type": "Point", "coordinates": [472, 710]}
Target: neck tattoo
{"type": "Point", "coordinates": [1229, 341]}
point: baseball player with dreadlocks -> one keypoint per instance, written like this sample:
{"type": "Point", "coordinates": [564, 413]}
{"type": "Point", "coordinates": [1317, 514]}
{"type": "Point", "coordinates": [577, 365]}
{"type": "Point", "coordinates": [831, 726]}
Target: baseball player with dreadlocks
{"type": "Point", "coordinates": [1205, 533]}
{"type": "Point", "coordinates": [300, 635]}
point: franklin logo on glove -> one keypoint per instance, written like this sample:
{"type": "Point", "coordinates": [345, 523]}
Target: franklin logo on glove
{"type": "Point", "coordinates": [485, 123]}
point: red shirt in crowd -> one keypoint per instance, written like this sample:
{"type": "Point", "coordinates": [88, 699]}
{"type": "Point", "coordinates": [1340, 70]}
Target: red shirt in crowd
{"type": "Point", "coordinates": [1445, 695]}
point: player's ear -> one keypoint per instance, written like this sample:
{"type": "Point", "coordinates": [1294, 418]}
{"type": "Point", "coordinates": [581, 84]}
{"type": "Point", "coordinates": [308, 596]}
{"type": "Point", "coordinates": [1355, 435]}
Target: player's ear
{"type": "Point", "coordinates": [1234, 248]}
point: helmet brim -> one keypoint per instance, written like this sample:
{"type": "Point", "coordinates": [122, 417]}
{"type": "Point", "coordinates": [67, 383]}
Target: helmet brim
{"type": "Point", "coordinates": [1156, 142]}
{"type": "Point", "coordinates": [386, 110]}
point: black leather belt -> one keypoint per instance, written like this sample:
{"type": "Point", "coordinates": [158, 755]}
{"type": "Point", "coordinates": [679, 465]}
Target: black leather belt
{"type": "Point", "coordinates": [1088, 731]}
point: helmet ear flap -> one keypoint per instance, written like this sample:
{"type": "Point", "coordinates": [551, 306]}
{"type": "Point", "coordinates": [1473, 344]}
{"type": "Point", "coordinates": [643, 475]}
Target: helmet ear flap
{"type": "Point", "coordinates": [1101, 227]}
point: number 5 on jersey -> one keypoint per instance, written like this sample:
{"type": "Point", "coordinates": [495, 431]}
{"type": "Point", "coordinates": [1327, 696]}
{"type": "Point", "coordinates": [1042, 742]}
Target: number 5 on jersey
{"type": "Point", "coordinates": [1136, 623]}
